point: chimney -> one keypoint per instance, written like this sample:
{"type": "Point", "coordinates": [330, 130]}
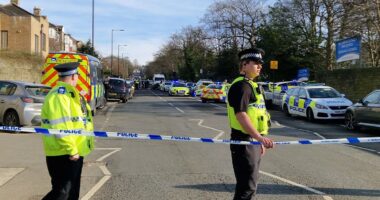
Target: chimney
{"type": "Point", "coordinates": [15, 2]}
{"type": "Point", "coordinates": [37, 11]}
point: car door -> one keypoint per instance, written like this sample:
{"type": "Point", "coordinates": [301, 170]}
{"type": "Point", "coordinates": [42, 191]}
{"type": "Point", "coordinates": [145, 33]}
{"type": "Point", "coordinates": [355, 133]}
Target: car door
{"type": "Point", "coordinates": [364, 108]}
{"type": "Point", "coordinates": [302, 97]}
{"type": "Point", "coordinates": [6, 98]}
{"type": "Point", "coordinates": [293, 101]}
{"type": "Point", "coordinates": [373, 114]}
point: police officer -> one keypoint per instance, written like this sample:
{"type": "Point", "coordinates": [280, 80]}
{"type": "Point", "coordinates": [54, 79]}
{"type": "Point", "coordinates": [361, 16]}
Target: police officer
{"type": "Point", "coordinates": [248, 120]}
{"type": "Point", "coordinates": [66, 109]}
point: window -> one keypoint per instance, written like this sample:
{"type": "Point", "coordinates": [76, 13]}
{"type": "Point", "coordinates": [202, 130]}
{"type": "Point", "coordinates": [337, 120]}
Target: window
{"type": "Point", "coordinates": [36, 44]}
{"type": "Point", "coordinates": [43, 42]}
{"type": "Point", "coordinates": [323, 93]}
{"type": "Point", "coordinates": [7, 88]}
{"type": "Point", "coordinates": [4, 39]}
{"type": "Point", "coordinates": [372, 98]}
{"type": "Point", "coordinates": [302, 92]}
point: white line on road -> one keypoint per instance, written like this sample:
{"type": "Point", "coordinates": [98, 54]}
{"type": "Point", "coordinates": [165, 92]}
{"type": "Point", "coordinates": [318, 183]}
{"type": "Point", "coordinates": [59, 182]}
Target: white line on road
{"type": "Point", "coordinates": [304, 130]}
{"type": "Point", "coordinates": [106, 172]}
{"type": "Point", "coordinates": [322, 137]}
{"type": "Point", "coordinates": [297, 185]}
{"type": "Point", "coordinates": [214, 129]}
{"type": "Point", "coordinates": [179, 110]}
{"type": "Point", "coordinates": [171, 104]}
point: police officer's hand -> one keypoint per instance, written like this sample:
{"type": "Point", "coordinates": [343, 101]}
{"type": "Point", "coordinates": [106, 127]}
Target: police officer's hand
{"type": "Point", "coordinates": [268, 143]}
{"type": "Point", "coordinates": [74, 157]}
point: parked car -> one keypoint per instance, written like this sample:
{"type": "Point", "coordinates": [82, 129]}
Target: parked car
{"type": "Point", "coordinates": [178, 89]}
{"type": "Point", "coordinates": [202, 83]}
{"type": "Point", "coordinates": [21, 103]}
{"type": "Point", "coordinates": [364, 113]}
{"type": "Point", "coordinates": [116, 88]}
{"type": "Point", "coordinates": [215, 92]}
{"type": "Point", "coordinates": [315, 102]}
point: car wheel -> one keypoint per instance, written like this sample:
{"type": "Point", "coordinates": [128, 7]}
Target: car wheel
{"type": "Point", "coordinates": [286, 110]}
{"type": "Point", "coordinates": [350, 122]}
{"type": "Point", "coordinates": [93, 112]}
{"type": "Point", "coordinates": [124, 100]}
{"type": "Point", "coordinates": [204, 101]}
{"type": "Point", "coordinates": [11, 118]}
{"type": "Point", "coordinates": [310, 114]}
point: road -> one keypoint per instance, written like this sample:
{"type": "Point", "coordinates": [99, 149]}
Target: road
{"type": "Point", "coordinates": [131, 169]}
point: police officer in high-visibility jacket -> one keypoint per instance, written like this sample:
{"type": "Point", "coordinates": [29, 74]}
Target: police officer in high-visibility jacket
{"type": "Point", "coordinates": [66, 109]}
{"type": "Point", "coordinates": [248, 120]}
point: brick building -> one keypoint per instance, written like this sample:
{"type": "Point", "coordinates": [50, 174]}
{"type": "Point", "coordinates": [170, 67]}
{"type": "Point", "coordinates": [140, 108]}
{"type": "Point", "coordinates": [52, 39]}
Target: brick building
{"type": "Point", "coordinates": [23, 31]}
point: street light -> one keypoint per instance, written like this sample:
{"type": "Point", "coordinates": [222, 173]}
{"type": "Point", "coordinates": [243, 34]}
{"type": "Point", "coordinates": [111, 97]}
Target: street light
{"type": "Point", "coordinates": [112, 45]}
{"type": "Point", "coordinates": [118, 49]}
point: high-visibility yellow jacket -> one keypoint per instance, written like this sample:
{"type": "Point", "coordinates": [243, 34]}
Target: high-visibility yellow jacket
{"type": "Point", "coordinates": [62, 110]}
{"type": "Point", "coordinates": [256, 111]}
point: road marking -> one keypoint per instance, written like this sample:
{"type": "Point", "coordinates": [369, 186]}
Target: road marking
{"type": "Point", "coordinates": [297, 185]}
{"type": "Point", "coordinates": [108, 115]}
{"type": "Point", "coordinates": [322, 137]}
{"type": "Point", "coordinates": [214, 129]}
{"type": "Point", "coordinates": [304, 130]}
{"type": "Point", "coordinates": [106, 172]}
{"type": "Point", "coordinates": [171, 104]}
{"type": "Point", "coordinates": [179, 110]}
{"type": "Point", "coordinates": [7, 174]}
{"type": "Point", "coordinates": [363, 148]}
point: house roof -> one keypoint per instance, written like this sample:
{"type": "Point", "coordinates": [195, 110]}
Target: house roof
{"type": "Point", "coordinates": [14, 10]}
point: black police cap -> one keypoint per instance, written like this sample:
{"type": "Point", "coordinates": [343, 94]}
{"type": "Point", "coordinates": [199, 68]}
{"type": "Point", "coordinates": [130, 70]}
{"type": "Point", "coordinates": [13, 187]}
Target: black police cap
{"type": "Point", "coordinates": [67, 69]}
{"type": "Point", "coordinates": [254, 54]}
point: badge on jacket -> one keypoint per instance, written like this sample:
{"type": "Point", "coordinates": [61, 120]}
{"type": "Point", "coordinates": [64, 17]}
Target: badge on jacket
{"type": "Point", "coordinates": [61, 90]}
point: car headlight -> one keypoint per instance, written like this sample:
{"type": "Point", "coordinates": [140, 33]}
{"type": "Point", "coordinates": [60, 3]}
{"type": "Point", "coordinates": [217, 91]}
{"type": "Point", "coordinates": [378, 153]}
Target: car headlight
{"type": "Point", "coordinates": [319, 106]}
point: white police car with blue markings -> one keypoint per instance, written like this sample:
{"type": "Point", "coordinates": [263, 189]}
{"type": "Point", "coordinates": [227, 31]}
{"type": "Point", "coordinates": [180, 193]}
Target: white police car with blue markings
{"type": "Point", "coordinates": [315, 102]}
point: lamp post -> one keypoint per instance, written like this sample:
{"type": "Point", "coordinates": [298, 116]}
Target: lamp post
{"type": "Point", "coordinates": [118, 50]}
{"type": "Point", "coordinates": [93, 26]}
{"type": "Point", "coordinates": [112, 45]}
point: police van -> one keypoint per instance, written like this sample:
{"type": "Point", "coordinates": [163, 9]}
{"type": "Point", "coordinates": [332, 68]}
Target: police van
{"type": "Point", "coordinates": [90, 80]}
{"type": "Point", "coordinates": [315, 102]}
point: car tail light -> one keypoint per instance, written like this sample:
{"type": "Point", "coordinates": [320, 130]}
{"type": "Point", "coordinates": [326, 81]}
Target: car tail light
{"type": "Point", "coordinates": [220, 92]}
{"type": "Point", "coordinates": [27, 100]}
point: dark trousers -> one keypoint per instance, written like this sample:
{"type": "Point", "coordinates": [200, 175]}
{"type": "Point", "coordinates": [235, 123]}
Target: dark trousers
{"type": "Point", "coordinates": [246, 163]}
{"type": "Point", "coordinates": [65, 177]}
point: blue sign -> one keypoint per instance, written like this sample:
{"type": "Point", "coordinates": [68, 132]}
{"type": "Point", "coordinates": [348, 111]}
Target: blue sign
{"type": "Point", "coordinates": [348, 49]}
{"type": "Point", "coordinates": [303, 73]}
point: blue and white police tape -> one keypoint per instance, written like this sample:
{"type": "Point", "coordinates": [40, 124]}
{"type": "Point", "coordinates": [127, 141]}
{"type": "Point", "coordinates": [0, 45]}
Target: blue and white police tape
{"type": "Point", "coordinates": [137, 136]}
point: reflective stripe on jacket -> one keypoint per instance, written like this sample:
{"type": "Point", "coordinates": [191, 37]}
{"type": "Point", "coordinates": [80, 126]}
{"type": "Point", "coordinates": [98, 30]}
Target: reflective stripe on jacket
{"type": "Point", "coordinates": [256, 111]}
{"type": "Point", "coordinates": [62, 110]}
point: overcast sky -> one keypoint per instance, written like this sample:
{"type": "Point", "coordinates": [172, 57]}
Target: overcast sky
{"type": "Point", "coordinates": [148, 24]}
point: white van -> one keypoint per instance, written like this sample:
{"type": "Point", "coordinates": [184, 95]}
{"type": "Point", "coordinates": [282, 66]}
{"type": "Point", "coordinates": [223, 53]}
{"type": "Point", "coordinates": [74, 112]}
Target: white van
{"type": "Point", "coordinates": [158, 78]}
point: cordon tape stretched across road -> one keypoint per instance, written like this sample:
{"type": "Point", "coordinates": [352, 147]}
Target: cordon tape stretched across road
{"type": "Point", "coordinates": [137, 136]}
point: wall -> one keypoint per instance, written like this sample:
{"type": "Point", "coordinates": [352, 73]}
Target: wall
{"type": "Point", "coordinates": [354, 83]}
{"type": "Point", "coordinates": [20, 66]}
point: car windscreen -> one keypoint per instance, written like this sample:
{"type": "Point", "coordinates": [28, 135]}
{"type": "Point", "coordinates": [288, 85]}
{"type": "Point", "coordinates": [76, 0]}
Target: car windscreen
{"type": "Point", "coordinates": [158, 79]}
{"type": "Point", "coordinates": [38, 91]}
{"type": "Point", "coordinates": [213, 86]}
{"type": "Point", "coordinates": [323, 93]}
{"type": "Point", "coordinates": [179, 85]}
{"type": "Point", "coordinates": [116, 82]}
{"type": "Point", "coordinates": [206, 83]}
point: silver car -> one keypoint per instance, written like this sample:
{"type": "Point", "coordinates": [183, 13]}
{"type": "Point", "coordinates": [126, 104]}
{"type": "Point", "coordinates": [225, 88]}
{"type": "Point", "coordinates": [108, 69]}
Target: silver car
{"type": "Point", "coordinates": [21, 103]}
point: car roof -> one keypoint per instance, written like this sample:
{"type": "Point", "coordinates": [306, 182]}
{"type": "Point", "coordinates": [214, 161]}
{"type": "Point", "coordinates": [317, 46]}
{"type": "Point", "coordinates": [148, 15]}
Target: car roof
{"type": "Point", "coordinates": [311, 86]}
{"type": "Point", "coordinates": [23, 83]}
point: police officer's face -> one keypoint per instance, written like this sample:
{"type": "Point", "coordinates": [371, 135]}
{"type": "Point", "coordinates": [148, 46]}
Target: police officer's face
{"type": "Point", "coordinates": [74, 79]}
{"type": "Point", "coordinates": [252, 69]}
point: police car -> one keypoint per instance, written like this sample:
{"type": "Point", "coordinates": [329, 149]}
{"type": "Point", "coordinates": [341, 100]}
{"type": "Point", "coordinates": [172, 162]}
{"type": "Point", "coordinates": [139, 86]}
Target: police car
{"type": "Point", "coordinates": [215, 92]}
{"type": "Point", "coordinates": [315, 102]}
{"type": "Point", "coordinates": [178, 89]}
